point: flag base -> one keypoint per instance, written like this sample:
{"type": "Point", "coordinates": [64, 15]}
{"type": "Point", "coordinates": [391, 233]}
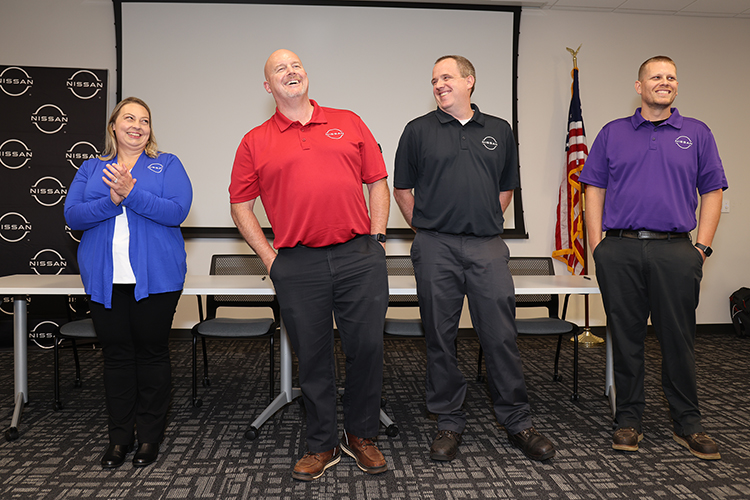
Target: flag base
{"type": "Point", "coordinates": [588, 339]}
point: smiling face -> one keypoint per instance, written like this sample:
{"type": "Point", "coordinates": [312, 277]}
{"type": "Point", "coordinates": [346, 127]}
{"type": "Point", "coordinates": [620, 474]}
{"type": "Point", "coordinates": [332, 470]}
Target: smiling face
{"type": "Point", "coordinates": [285, 77]}
{"type": "Point", "coordinates": [132, 128]}
{"type": "Point", "coordinates": [451, 90]}
{"type": "Point", "coordinates": [657, 85]}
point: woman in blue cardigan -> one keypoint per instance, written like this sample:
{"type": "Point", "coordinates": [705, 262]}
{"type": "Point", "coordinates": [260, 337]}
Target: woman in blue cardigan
{"type": "Point", "coordinates": [130, 203]}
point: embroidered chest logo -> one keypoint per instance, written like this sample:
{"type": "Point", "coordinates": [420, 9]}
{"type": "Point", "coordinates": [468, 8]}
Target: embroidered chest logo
{"type": "Point", "coordinates": [489, 142]}
{"type": "Point", "coordinates": [335, 134]}
{"type": "Point", "coordinates": [683, 142]}
{"type": "Point", "coordinates": [156, 168]}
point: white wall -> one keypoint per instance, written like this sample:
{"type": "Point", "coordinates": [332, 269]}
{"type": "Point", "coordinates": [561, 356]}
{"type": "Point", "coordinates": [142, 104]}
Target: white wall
{"type": "Point", "coordinates": [712, 67]}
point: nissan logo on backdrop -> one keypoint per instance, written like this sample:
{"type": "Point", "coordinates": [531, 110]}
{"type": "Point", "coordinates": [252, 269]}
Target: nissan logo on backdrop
{"type": "Point", "coordinates": [14, 227]}
{"type": "Point", "coordinates": [48, 191]}
{"type": "Point", "coordinates": [14, 154]}
{"type": "Point", "coordinates": [15, 81]}
{"type": "Point", "coordinates": [43, 334]}
{"type": "Point", "coordinates": [84, 84]}
{"type": "Point", "coordinates": [49, 119]}
{"type": "Point", "coordinates": [80, 152]}
{"type": "Point", "coordinates": [47, 261]}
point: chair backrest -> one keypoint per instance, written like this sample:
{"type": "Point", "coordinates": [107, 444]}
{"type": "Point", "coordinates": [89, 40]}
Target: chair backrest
{"type": "Point", "coordinates": [239, 264]}
{"type": "Point", "coordinates": [535, 266]}
{"type": "Point", "coordinates": [401, 265]}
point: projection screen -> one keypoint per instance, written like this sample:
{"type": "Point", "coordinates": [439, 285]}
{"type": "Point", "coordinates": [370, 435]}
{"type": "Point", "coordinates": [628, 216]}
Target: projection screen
{"type": "Point", "coordinates": [199, 66]}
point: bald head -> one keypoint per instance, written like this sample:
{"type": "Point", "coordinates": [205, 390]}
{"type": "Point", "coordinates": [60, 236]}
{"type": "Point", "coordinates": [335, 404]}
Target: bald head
{"type": "Point", "coordinates": [280, 56]}
{"type": "Point", "coordinates": [285, 77]}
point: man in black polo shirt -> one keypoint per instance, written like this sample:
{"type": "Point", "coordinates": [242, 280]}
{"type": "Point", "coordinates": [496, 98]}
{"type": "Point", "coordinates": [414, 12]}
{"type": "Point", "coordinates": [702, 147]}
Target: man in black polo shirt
{"type": "Point", "coordinates": [462, 166]}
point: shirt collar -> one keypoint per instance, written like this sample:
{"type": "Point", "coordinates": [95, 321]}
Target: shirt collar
{"type": "Point", "coordinates": [284, 123]}
{"type": "Point", "coordinates": [675, 119]}
{"type": "Point", "coordinates": [444, 117]}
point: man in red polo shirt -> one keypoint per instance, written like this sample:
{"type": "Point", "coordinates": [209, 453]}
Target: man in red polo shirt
{"type": "Point", "coordinates": [308, 163]}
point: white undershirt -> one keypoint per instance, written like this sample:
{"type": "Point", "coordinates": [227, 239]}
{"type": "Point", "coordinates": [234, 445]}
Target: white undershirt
{"type": "Point", "coordinates": [123, 271]}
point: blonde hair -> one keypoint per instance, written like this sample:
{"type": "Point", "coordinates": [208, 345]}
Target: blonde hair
{"type": "Point", "coordinates": [654, 59]}
{"type": "Point", "coordinates": [110, 142]}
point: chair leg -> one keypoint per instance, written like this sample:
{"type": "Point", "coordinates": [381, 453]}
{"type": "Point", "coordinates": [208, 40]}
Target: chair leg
{"type": "Point", "coordinates": [206, 380]}
{"type": "Point", "coordinates": [196, 402]}
{"type": "Point", "coordinates": [556, 374]}
{"type": "Point", "coordinates": [56, 362]}
{"type": "Point", "coordinates": [78, 364]}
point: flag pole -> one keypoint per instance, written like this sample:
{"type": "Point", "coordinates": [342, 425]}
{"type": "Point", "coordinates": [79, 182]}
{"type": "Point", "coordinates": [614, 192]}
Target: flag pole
{"type": "Point", "coordinates": [586, 338]}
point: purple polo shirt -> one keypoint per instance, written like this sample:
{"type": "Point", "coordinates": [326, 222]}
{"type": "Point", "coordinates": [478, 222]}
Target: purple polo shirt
{"type": "Point", "coordinates": [653, 174]}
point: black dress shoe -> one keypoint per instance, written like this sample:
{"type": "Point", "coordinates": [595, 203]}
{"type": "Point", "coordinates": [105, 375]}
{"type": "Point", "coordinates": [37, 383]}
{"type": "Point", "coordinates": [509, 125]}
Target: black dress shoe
{"type": "Point", "coordinates": [146, 454]}
{"type": "Point", "coordinates": [115, 455]}
{"type": "Point", "coordinates": [534, 445]}
{"type": "Point", "coordinates": [445, 446]}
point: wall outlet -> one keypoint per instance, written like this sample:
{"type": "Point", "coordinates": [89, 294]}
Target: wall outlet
{"type": "Point", "coordinates": [725, 206]}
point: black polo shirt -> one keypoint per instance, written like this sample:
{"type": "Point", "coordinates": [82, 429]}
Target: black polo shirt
{"type": "Point", "coordinates": [457, 171]}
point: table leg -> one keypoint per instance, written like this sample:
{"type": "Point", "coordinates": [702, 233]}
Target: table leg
{"type": "Point", "coordinates": [20, 340]}
{"type": "Point", "coordinates": [287, 393]}
{"type": "Point", "coordinates": [609, 379]}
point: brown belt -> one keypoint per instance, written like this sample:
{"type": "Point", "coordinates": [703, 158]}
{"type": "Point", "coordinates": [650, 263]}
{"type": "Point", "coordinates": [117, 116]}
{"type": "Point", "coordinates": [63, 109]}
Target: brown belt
{"type": "Point", "coordinates": [645, 235]}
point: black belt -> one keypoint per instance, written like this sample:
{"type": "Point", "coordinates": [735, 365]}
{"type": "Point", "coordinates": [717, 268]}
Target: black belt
{"type": "Point", "coordinates": [645, 235]}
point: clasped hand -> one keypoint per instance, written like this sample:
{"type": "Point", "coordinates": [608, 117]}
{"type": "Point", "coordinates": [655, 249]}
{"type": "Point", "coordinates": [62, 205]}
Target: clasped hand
{"type": "Point", "coordinates": [119, 180]}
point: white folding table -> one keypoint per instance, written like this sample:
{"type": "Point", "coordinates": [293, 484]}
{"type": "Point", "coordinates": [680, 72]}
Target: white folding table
{"type": "Point", "coordinates": [21, 286]}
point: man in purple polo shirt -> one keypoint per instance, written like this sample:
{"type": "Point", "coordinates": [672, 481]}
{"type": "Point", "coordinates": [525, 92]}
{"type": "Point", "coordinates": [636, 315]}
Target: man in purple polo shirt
{"type": "Point", "coordinates": [643, 177]}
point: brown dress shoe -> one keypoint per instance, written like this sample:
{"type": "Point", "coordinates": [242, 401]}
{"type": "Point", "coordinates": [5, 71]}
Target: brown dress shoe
{"type": "Point", "coordinates": [626, 439]}
{"type": "Point", "coordinates": [364, 451]}
{"type": "Point", "coordinates": [445, 446]}
{"type": "Point", "coordinates": [700, 445]}
{"type": "Point", "coordinates": [313, 465]}
{"type": "Point", "coordinates": [534, 445]}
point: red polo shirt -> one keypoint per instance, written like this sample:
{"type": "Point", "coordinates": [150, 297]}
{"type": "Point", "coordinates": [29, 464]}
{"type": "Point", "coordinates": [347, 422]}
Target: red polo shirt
{"type": "Point", "coordinates": [309, 177]}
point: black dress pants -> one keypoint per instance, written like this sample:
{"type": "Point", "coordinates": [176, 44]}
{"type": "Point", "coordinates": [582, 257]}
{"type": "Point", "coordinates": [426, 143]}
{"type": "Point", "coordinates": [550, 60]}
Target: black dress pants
{"type": "Point", "coordinates": [137, 370]}
{"type": "Point", "coordinates": [449, 268]}
{"type": "Point", "coordinates": [661, 278]}
{"type": "Point", "coordinates": [348, 282]}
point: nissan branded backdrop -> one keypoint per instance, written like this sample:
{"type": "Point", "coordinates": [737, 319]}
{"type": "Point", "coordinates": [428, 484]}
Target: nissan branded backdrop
{"type": "Point", "coordinates": [53, 119]}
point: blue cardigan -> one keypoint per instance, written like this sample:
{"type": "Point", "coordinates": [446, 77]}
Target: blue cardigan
{"type": "Point", "coordinates": [159, 201]}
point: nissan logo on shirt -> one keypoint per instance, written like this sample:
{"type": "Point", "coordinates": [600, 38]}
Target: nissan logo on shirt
{"type": "Point", "coordinates": [335, 133]}
{"type": "Point", "coordinates": [489, 142]}
{"type": "Point", "coordinates": [683, 142]}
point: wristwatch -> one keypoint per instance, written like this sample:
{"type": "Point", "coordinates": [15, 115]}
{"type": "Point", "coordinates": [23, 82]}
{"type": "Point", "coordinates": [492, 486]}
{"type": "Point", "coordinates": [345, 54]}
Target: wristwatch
{"type": "Point", "coordinates": [380, 237]}
{"type": "Point", "coordinates": [706, 250]}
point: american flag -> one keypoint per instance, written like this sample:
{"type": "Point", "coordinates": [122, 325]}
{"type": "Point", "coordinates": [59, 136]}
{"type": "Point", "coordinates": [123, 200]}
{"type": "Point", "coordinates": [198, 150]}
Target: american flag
{"type": "Point", "coordinates": [569, 228]}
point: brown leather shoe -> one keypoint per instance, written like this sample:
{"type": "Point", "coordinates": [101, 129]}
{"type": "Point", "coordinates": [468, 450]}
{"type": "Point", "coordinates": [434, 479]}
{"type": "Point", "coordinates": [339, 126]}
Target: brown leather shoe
{"type": "Point", "coordinates": [626, 439]}
{"type": "Point", "coordinates": [365, 452]}
{"type": "Point", "coordinates": [313, 465]}
{"type": "Point", "coordinates": [533, 444]}
{"type": "Point", "coordinates": [700, 445]}
{"type": "Point", "coordinates": [445, 446]}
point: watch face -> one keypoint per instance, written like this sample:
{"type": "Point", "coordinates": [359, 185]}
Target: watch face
{"type": "Point", "coordinates": [706, 250]}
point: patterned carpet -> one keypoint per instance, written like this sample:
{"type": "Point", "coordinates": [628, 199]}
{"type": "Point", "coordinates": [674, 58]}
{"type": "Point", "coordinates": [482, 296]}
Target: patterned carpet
{"type": "Point", "coordinates": [205, 454]}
